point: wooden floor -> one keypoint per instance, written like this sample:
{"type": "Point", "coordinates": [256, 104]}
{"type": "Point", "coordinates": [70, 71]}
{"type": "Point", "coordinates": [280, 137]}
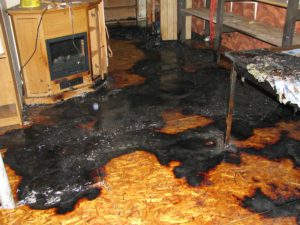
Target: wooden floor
{"type": "Point", "coordinates": [163, 199]}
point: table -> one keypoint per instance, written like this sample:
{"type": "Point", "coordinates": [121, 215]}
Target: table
{"type": "Point", "coordinates": [276, 70]}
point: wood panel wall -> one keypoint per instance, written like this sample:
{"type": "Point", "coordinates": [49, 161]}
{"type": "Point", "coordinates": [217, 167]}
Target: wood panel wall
{"type": "Point", "coordinates": [116, 10]}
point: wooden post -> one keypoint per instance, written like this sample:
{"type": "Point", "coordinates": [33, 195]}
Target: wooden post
{"type": "Point", "coordinates": [184, 22]}
{"type": "Point", "coordinates": [219, 28]}
{"type": "Point", "coordinates": [230, 105]}
{"type": "Point", "coordinates": [206, 22]}
{"type": "Point", "coordinates": [289, 25]}
{"type": "Point", "coordinates": [168, 19]}
{"type": "Point", "coordinates": [6, 197]}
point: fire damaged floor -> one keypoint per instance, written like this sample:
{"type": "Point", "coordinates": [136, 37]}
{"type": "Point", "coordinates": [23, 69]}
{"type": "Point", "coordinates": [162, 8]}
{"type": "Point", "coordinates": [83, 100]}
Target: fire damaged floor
{"type": "Point", "coordinates": [146, 147]}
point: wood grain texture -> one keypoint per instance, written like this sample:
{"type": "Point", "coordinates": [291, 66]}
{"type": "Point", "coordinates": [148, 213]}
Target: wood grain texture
{"type": "Point", "coordinates": [36, 74]}
{"type": "Point", "coordinates": [58, 23]}
{"type": "Point", "coordinates": [268, 14]}
{"type": "Point", "coordinates": [168, 19]}
{"type": "Point", "coordinates": [10, 108]}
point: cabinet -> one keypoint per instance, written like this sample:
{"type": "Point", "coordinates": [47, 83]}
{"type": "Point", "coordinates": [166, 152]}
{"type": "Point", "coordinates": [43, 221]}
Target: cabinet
{"type": "Point", "coordinates": [10, 108]}
{"type": "Point", "coordinates": [62, 49]}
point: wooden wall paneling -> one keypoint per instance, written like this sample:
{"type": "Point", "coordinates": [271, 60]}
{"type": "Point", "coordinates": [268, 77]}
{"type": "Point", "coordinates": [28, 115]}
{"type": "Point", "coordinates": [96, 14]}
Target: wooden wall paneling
{"type": "Point", "coordinates": [118, 3]}
{"type": "Point", "coordinates": [120, 13]}
{"type": "Point", "coordinates": [164, 19]}
{"type": "Point", "coordinates": [95, 40]}
{"type": "Point", "coordinates": [12, 47]}
{"type": "Point", "coordinates": [116, 10]}
{"type": "Point", "coordinates": [188, 21]}
{"type": "Point", "coordinates": [35, 73]}
{"type": "Point", "coordinates": [88, 17]}
{"type": "Point", "coordinates": [58, 23]}
{"type": "Point", "coordinates": [150, 11]}
{"type": "Point", "coordinates": [103, 39]}
{"type": "Point", "coordinates": [10, 107]}
{"type": "Point", "coordinates": [172, 17]}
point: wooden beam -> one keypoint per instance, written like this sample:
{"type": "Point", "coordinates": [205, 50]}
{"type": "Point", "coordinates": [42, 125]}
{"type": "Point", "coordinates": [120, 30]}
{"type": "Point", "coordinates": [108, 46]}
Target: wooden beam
{"type": "Point", "coordinates": [206, 22]}
{"type": "Point", "coordinates": [290, 20]}
{"type": "Point", "coordinates": [219, 28]}
{"type": "Point", "coordinates": [184, 20]}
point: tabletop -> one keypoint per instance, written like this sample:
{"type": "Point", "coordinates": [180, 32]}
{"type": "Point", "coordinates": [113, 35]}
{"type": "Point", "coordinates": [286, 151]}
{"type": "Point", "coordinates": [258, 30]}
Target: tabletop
{"type": "Point", "coordinates": [277, 67]}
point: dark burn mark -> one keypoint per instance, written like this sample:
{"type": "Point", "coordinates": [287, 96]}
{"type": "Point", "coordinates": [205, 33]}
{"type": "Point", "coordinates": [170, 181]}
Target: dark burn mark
{"type": "Point", "coordinates": [57, 161]}
{"type": "Point", "coordinates": [284, 148]}
{"type": "Point", "coordinates": [232, 157]}
{"type": "Point", "coordinates": [281, 207]}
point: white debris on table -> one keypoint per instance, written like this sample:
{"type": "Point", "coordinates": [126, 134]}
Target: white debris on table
{"type": "Point", "coordinates": [285, 81]}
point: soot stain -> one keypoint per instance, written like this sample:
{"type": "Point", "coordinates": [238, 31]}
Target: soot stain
{"type": "Point", "coordinates": [56, 160]}
{"type": "Point", "coordinates": [286, 147]}
{"type": "Point", "coordinates": [281, 207]}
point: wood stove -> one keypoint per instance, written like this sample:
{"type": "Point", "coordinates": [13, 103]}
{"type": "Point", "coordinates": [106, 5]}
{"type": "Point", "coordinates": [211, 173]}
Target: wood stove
{"type": "Point", "coordinates": [68, 53]}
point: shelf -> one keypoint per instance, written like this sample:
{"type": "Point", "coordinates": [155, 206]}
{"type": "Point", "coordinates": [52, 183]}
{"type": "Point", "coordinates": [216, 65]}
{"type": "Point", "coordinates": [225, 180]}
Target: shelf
{"type": "Point", "coordinates": [119, 3]}
{"type": "Point", "coordinates": [271, 35]}
{"type": "Point", "coordinates": [280, 3]}
{"type": "Point", "coordinates": [121, 7]}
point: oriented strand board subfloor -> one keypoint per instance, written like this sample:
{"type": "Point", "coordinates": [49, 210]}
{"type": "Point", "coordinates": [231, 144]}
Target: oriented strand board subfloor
{"type": "Point", "coordinates": [138, 190]}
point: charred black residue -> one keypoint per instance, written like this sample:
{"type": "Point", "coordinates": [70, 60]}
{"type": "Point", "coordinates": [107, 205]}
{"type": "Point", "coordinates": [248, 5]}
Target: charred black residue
{"type": "Point", "coordinates": [281, 207]}
{"type": "Point", "coordinates": [56, 161]}
{"type": "Point", "coordinates": [286, 147]}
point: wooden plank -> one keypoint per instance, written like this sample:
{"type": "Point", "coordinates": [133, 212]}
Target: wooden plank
{"type": "Point", "coordinates": [172, 17]}
{"type": "Point", "coordinates": [94, 40]}
{"type": "Point", "coordinates": [59, 24]}
{"type": "Point", "coordinates": [252, 28]}
{"type": "Point", "coordinates": [10, 107]}
{"type": "Point", "coordinates": [59, 97]}
{"type": "Point", "coordinates": [35, 73]}
{"type": "Point", "coordinates": [206, 22]}
{"type": "Point", "coordinates": [280, 3]}
{"type": "Point", "coordinates": [164, 19]}
{"type": "Point", "coordinates": [290, 21]}
{"type": "Point", "coordinates": [9, 110]}
{"type": "Point", "coordinates": [168, 19]}
{"type": "Point", "coordinates": [201, 13]}
{"type": "Point", "coordinates": [103, 40]}
{"type": "Point", "coordinates": [119, 3]}
{"type": "Point", "coordinates": [120, 13]}
{"type": "Point", "coordinates": [219, 29]}
{"type": "Point", "coordinates": [188, 21]}
{"type": "Point", "coordinates": [182, 26]}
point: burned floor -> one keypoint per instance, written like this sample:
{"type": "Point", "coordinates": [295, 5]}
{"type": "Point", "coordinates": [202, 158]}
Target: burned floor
{"type": "Point", "coordinates": [146, 146]}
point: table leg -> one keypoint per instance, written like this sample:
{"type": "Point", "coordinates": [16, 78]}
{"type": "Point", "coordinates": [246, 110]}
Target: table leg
{"type": "Point", "coordinates": [230, 105]}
